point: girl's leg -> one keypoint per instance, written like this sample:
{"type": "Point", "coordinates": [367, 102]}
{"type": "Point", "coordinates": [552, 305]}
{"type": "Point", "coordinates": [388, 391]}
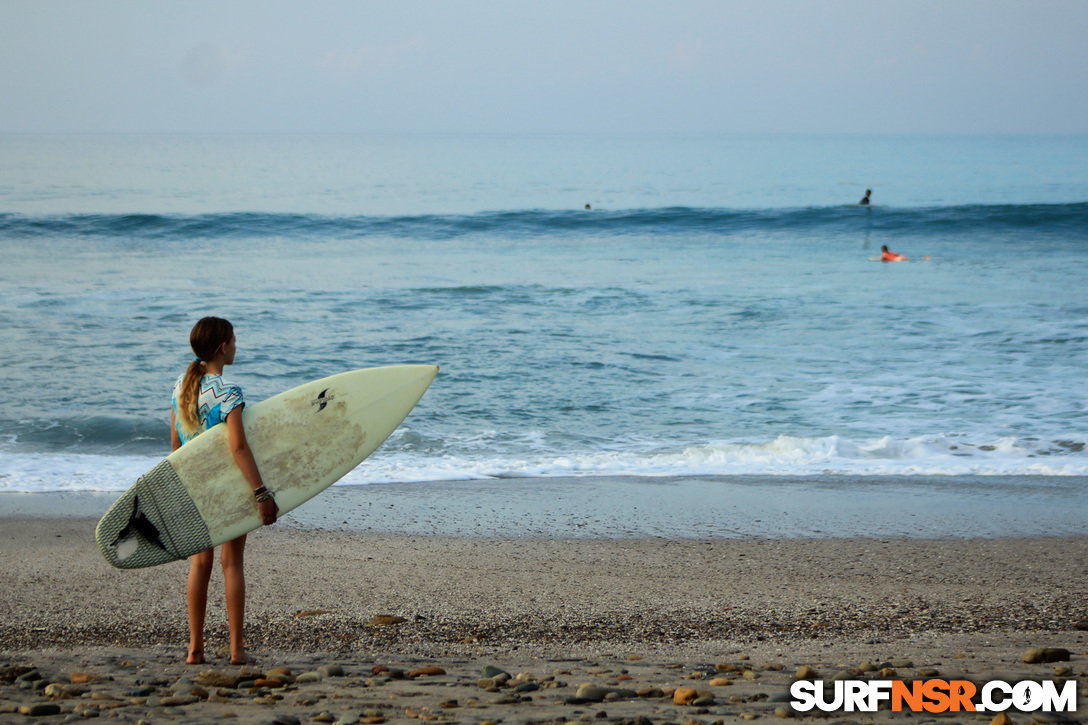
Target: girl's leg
{"type": "Point", "coordinates": [235, 584]}
{"type": "Point", "coordinates": [200, 571]}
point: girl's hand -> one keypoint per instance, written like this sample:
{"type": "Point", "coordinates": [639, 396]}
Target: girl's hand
{"type": "Point", "coordinates": [268, 511]}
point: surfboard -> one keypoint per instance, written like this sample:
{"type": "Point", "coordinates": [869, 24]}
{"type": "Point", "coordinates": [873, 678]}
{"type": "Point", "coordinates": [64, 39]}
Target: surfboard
{"type": "Point", "coordinates": [303, 441]}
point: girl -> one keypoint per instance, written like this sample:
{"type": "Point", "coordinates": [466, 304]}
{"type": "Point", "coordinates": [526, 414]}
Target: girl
{"type": "Point", "coordinates": [202, 399]}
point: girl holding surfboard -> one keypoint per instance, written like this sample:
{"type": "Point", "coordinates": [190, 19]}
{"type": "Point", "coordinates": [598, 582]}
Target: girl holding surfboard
{"type": "Point", "coordinates": [201, 400]}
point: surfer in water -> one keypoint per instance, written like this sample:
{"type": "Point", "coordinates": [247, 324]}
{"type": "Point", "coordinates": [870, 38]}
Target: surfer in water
{"type": "Point", "coordinates": [202, 399]}
{"type": "Point", "coordinates": [865, 199]}
{"type": "Point", "coordinates": [888, 256]}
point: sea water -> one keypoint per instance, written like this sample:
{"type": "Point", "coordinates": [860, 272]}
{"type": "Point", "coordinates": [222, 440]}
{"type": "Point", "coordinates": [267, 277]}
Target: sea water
{"type": "Point", "coordinates": [715, 312]}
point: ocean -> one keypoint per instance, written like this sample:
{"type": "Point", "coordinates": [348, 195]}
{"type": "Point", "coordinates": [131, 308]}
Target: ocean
{"type": "Point", "coordinates": [716, 312]}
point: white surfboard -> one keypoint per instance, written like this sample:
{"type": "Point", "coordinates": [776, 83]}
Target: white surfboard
{"type": "Point", "coordinates": [303, 440]}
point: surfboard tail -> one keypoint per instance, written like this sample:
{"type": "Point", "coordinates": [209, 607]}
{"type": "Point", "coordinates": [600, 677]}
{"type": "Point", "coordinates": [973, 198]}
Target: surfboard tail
{"type": "Point", "coordinates": [153, 523]}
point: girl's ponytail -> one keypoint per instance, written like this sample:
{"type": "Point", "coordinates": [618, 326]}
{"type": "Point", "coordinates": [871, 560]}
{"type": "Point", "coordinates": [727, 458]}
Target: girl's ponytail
{"type": "Point", "coordinates": [187, 397]}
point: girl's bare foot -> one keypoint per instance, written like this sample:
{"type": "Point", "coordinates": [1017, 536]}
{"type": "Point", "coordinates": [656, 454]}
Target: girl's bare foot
{"type": "Point", "coordinates": [242, 659]}
{"type": "Point", "coordinates": [196, 657]}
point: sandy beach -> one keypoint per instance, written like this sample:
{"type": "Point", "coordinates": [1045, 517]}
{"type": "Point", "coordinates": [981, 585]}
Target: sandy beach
{"type": "Point", "coordinates": [636, 618]}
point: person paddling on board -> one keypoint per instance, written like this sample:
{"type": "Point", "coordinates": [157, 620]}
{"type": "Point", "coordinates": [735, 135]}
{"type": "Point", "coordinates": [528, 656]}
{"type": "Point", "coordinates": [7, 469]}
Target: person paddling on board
{"type": "Point", "coordinates": [887, 256]}
{"type": "Point", "coordinates": [201, 400]}
{"type": "Point", "coordinates": [865, 199]}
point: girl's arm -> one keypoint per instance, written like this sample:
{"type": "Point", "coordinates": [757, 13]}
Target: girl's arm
{"type": "Point", "coordinates": [243, 456]}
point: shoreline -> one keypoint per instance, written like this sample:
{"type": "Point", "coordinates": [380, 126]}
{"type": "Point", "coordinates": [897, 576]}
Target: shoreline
{"type": "Point", "coordinates": [672, 507]}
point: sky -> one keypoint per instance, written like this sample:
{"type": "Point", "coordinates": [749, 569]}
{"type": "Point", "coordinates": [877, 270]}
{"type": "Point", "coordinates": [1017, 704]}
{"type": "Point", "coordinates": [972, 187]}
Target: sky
{"type": "Point", "coordinates": [554, 66]}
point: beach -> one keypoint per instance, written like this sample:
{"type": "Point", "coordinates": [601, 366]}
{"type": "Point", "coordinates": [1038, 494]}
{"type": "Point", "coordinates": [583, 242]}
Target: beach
{"type": "Point", "coordinates": [692, 437]}
{"type": "Point", "coordinates": [628, 615]}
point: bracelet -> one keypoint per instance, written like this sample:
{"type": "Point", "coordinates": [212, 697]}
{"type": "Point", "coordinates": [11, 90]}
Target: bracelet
{"type": "Point", "coordinates": [262, 494]}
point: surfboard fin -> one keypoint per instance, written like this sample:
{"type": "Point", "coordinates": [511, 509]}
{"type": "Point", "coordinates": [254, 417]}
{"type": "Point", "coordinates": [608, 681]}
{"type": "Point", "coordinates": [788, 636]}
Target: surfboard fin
{"type": "Point", "coordinates": [139, 523]}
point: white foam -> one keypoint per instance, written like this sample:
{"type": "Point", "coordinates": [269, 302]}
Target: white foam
{"type": "Point", "coordinates": [51, 472]}
{"type": "Point", "coordinates": [938, 455]}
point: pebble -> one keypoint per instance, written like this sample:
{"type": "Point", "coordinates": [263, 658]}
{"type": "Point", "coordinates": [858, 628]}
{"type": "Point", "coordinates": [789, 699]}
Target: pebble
{"type": "Point", "coordinates": [272, 682]}
{"type": "Point", "coordinates": [592, 693]}
{"type": "Point", "coordinates": [280, 673]}
{"type": "Point", "coordinates": [428, 671]}
{"type": "Point", "coordinates": [84, 712]}
{"type": "Point", "coordinates": [183, 685]}
{"type": "Point", "coordinates": [391, 672]}
{"type": "Point", "coordinates": [1046, 654]}
{"type": "Point", "coordinates": [40, 710]}
{"type": "Point", "coordinates": [684, 695]}
{"type": "Point", "coordinates": [214, 678]}
{"type": "Point", "coordinates": [59, 692]}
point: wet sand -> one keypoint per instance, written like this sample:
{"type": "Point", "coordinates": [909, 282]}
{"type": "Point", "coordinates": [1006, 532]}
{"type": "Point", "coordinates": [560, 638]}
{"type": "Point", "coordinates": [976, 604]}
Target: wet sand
{"type": "Point", "coordinates": [625, 507]}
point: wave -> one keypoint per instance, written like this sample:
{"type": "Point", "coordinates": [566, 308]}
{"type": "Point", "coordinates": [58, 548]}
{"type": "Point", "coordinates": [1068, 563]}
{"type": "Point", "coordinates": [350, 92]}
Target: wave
{"type": "Point", "coordinates": [405, 459]}
{"type": "Point", "coordinates": [1065, 219]}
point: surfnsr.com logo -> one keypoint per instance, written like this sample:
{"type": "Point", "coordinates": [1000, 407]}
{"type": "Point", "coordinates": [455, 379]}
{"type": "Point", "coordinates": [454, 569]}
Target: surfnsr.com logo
{"type": "Point", "coordinates": [934, 696]}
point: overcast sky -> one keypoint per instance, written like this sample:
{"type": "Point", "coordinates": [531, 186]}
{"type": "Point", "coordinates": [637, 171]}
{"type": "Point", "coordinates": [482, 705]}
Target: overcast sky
{"type": "Point", "coordinates": [544, 66]}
